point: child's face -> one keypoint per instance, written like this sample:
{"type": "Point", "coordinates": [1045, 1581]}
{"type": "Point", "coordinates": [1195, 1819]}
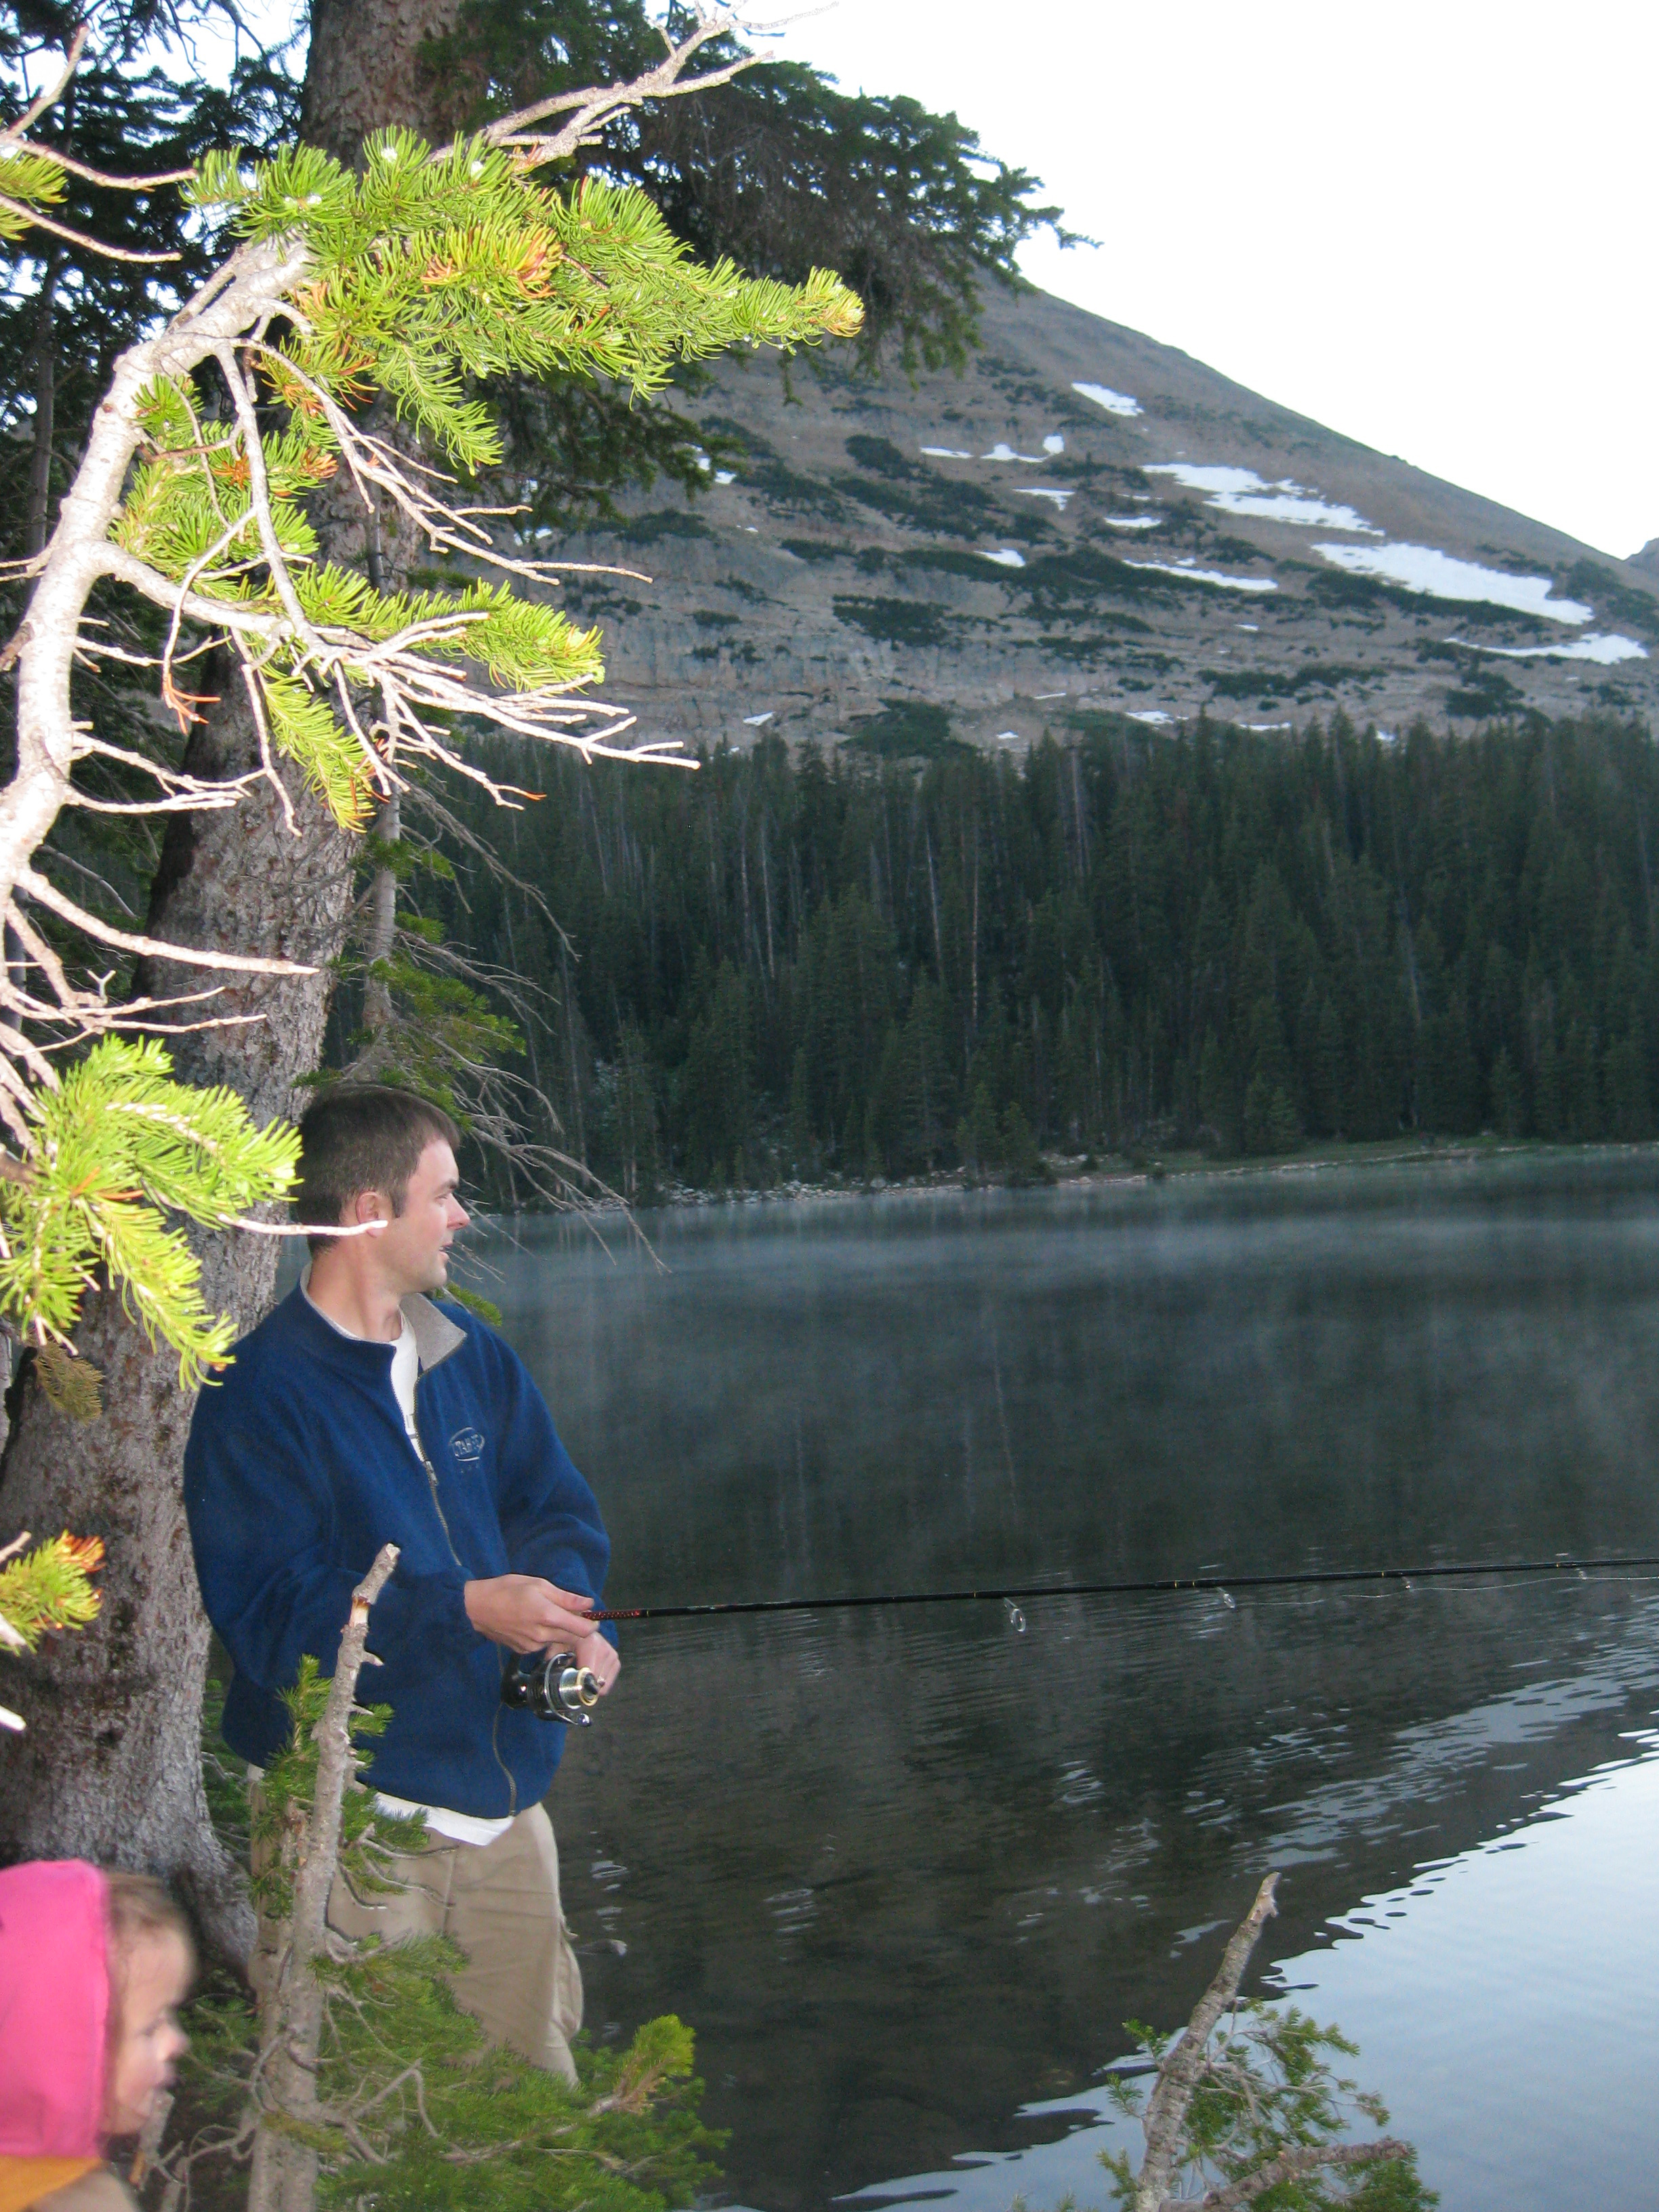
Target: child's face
{"type": "Point", "coordinates": [147, 2036]}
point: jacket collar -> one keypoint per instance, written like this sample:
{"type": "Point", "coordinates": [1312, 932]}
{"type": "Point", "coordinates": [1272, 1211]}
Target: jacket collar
{"type": "Point", "coordinates": [435, 1335]}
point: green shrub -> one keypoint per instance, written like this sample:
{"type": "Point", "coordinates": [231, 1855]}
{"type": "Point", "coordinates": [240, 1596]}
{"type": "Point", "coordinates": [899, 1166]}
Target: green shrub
{"type": "Point", "coordinates": [906, 729]}
{"type": "Point", "coordinates": [894, 622]}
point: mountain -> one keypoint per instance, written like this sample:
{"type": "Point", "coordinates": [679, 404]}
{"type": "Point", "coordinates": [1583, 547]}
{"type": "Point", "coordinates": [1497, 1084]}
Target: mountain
{"type": "Point", "coordinates": [1084, 522]}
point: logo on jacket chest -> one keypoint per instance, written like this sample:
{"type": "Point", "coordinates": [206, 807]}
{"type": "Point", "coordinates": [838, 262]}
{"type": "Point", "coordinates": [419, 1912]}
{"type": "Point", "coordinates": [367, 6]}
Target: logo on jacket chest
{"type": "Point", "coordinates": [467, 1443]}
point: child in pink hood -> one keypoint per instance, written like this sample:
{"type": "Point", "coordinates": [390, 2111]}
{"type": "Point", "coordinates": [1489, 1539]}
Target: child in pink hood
{"type": "Point", "coordinates": [93, 1966]}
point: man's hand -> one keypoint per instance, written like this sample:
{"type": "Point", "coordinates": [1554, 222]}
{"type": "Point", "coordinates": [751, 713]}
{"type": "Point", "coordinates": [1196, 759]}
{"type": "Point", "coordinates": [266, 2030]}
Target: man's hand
{"type": "Point", "coordinates": [528, 1614]}
{"type": "Point", "coordinates": [600, 1657]}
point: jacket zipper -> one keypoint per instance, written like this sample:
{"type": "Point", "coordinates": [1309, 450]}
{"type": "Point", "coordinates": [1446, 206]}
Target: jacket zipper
{"type": "Point", "coordinates": [437, 1507]}
{"type": "Point", "coordinates": [432, 1484]}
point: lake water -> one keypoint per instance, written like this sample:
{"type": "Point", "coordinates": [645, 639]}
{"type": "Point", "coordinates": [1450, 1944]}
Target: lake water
{"type": "Point", "coordinates": [907, 1873]}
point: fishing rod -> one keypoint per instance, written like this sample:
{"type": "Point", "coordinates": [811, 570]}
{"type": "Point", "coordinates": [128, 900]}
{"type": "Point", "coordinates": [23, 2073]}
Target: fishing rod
{"type": "Point", "coordinates": [1016, 1594]}
{"type": "Point", "coordinates": [552, 1685]}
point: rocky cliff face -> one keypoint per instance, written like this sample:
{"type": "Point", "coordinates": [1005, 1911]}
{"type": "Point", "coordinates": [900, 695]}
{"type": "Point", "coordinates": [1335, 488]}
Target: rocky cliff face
{"type": "Point", "coordinates": [1084, 522]}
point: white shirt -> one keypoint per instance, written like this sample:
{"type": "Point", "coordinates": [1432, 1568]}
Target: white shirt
{"type": "Point", "coordinates": [457, 1827]}
{"type": "Point", "coordinates": [406, 1373]}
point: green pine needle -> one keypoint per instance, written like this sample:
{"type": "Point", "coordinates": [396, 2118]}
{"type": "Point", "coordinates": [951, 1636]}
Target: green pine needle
{"type": "Point", "coordinates": [428, 276]}
{"type": "Point", "coordinates": [118, 1147]}
{"type": "Point", "coordinates": [51, 1586]}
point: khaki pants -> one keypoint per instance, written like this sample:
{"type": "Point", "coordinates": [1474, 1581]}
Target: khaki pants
{"type": "Point", "coordinates": [500, 1903]}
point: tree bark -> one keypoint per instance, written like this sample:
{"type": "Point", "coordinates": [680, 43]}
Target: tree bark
{"type": "Point", "coordinates": [374, 75]}
{"type": "Point", "coordinates": [35, 532]}
{"type": "Point", "coordinates": [110, 1767]}
{"type": "Point", "coordinates": [382, 937]}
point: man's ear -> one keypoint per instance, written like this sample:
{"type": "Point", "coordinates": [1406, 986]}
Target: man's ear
{"type": "Point", "coordinates": [368, 1206]}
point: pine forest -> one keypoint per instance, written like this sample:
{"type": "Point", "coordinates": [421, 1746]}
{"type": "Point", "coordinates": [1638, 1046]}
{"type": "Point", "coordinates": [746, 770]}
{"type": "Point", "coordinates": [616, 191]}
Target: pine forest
{"type": "Point", "coordinates": [786, 969]}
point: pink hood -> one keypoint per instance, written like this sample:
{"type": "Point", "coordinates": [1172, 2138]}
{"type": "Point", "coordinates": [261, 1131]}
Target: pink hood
{"type": "Point", "coordinates": [54, 2009]}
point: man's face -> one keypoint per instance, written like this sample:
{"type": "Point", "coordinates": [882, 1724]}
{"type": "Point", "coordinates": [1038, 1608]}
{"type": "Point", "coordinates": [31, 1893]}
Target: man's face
{"type": "Point", "coordinates": [413, 1249]}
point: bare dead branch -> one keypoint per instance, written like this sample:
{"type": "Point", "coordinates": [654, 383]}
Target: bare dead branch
{"type": "Point", "coordinates": [190, 956]}
{"type": "Point", "coordinates": [223, 614]}
{"type": "Point", "coordinates": [1181, 2067]}
{"type": "Point", "coordinates": [14, 133]}
{"type": "Point", "coordinates": [268, 767]}
{"type": "Point", "coordinates": [592, 108]}
{"type": "Point", "coordinates": [1308, 2157]}
{"type": "Point", "coordinates": [102, 177]}
{"type": "Point", "coordinates": [80, 237]}
{"type": "Point", "coordinates": [291, 2032]}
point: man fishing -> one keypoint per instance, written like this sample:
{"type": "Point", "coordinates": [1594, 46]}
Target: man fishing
{"type": "Point", "coordinates": [361, 1411]}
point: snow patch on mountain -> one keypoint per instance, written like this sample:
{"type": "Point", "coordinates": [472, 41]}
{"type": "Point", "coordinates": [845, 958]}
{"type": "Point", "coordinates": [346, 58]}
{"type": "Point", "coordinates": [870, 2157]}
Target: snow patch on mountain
{"type": "Point", "coordinates": [1132, 521]}
{"type": "Point", "coordinates": [1005, 556]}
{"type": "Point", "coordinates": [1206, 576]}
{"type": "Point", "coordinates": [946, 454]}
{"type": "Point", "coordinates": [1004, 452]}
{"type": "Point", "coordinates": [1422, 568]}
{"type": "Point", "coordinates": [1061, 499]}
{"type": "Point", "coordinates": [1606, 651]}
{"type": "Point", "coordinates": [1114, 403]}
{"type": "Point", "coordinates": [1242, 492]}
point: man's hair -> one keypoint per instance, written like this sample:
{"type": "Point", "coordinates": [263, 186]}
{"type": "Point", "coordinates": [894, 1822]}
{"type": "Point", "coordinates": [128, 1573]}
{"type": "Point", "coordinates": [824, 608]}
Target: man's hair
{"type": "Point", "coordinates": [140, 1910]}
{"type": "Point", "coordinates": [358, 1137]}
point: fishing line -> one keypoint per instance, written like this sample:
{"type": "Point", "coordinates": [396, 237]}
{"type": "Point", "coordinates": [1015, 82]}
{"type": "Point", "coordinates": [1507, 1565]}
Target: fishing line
{"type": "Point", "coordinates": [1013, 1594]}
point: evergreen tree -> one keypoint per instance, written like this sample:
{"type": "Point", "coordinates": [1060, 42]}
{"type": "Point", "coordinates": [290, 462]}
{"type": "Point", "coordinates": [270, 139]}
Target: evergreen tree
{"type": "Point", "coordinates": [359, 308]}
{"type": "Point", "coordinates": [779, 169]}
{"type": "Point", "coordinates": [1220, 967]}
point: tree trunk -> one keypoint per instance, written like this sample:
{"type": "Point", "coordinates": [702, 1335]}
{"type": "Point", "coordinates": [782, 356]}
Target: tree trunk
{"type": "Point", "coordinates": [364, 70]}
{"type": "Point", "coordinates": [382, 940]}
{"type": "Point", "coordinates": [35, 531]}
{"type": "Point", "coordinates": [110, 1768]}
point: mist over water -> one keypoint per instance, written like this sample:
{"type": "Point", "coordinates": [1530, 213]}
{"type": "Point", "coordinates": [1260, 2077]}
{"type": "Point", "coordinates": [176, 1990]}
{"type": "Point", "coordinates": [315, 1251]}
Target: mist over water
{"type": "Point", "coordinates": [906, 1873]}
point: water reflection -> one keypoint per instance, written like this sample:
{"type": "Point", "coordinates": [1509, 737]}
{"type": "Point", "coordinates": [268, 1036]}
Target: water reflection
{"type": "Point", "coordinates": [906, 1872]}
{"type": "Point", "coordinates": [1478, 1994]}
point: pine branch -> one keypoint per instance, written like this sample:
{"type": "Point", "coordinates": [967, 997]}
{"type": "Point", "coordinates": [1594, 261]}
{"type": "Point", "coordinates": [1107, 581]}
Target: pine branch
{"type": "Point", "coordinates": [45, 1589]}
{"type": "Point", "coordinates": [117, 1147]}
{"type": "Point", "coordinates": [48, 1588]}
{"type": "Point", "coordinates": [419, 277]}
{"type": "Point", "coordinates": [1257, 2100]}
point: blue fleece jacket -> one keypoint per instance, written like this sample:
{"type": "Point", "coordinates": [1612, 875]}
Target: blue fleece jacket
{"type": "Point", "coordinates": [298, 1469]}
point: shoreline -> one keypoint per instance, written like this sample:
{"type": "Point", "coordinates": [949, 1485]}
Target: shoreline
{"type": "Point", "coordinates": [1127, 1171]}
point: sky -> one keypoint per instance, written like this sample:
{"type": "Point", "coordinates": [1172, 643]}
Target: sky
{"type": "Point", "coordinates": [1428, 227]}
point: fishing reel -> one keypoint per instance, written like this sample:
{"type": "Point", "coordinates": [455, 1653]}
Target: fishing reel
{"type": "Point", "coordinates": [551, 1685]}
